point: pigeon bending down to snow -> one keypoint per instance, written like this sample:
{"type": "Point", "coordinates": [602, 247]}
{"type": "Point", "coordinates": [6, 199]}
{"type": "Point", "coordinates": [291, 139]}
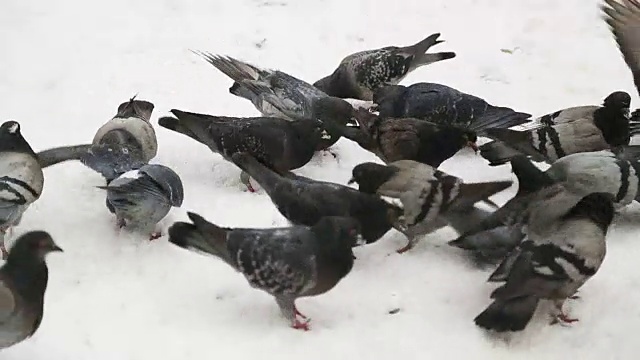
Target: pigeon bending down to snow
{"type": "Point", "coordinates": [23, 283]}
{"type": "Point", "coordinates": [444, 105]}
{"type": "Point", "coordinates": [141, 198]}
{"type": "Point", "coordinates": [287, 263]}
{"type": "Point", "coordinates": [359, 75]}
{"type": "Point", "coordinates": [427, 195]}
{"type": "Point", "coordinates": [564, 132]}
{"type": "Point", "coordinates": [564, 247]}
{"type": "Point", "coordinates": [406, 138]}
{"type": "Point", "coordinates": [279, 144]}
{"type": "Point", "coordinates": [278, 94]}
{"type": "Point", "coordinates": [126, 142]}
{"type": "Point", "coordinates": [304, 201]}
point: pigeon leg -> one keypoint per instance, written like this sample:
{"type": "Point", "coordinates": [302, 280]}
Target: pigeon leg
{"type": "Point", "coordinates": [120, 223]}
{"type": "Point", "coordinates": [246, 180]}
{"type": "Point", "coordinates": [560, 316]}
{"type": "Point", "coordinates": [289, 310]}
{"type": "Point", "coordinates": [410, 244]}
{"type": "Point", "coordinates": [155, 235]}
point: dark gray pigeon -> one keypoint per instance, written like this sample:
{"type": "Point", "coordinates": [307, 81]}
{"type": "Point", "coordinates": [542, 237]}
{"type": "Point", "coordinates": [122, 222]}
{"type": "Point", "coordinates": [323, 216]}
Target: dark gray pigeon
{"type": "Point", "coordinates": [359, 75]}
{"type": "Point", "coordinates": [141, 198]}
{"type": "Point", "coordinates": [279, 144]}
{"type": "Point", "coordinates": [278, 94]}
{"type": "Point", "coordinates": [23, 283]}
{"type": "Point", "coordinates": [126, 142]}
{"type": "Point", "coordinates": [428, 196]}
{"type": "Point", "coordinates": [407, 138]}
{"type": "Point", "coordinates": [564, 247]}
{"type": "Point", "coordinates": [304, 201]}
{"type": "Point", "coordinates": [288, 263]}
{"type": "Point", "coordinates": [444, 105]}
{"type": "Point", "coordinates": [564, 132]}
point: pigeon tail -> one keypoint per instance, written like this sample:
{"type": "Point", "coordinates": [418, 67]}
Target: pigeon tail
{"type": "Point", "coordinates": [492, 245]}
{"type": "Point", "coordinates": [201, 236]}
{"type": "Point", "coordinates": [530, 177]}
{"type": "Point", "coordinates": [499, 118]}
{"type": "Point", "coordinates": [419, 52]}
{"type": "Point", "coordinates": [510, 315]}
{"type": "Point", "coordinates": [497, 153]}
{"type": "Point", "coordinates": [174, 124]}
{"type": "Point", "coordinates": [266, 177]}
{"type": "Point", "coordinates": [61, 154]}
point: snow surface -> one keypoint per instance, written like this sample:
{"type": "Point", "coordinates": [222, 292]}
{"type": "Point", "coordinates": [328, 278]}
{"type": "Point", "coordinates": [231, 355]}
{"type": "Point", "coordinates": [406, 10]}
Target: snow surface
{"type": "Point", "coordinates": [66, 65]}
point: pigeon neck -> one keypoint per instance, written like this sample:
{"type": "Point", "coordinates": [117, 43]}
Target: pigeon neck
{"type": "Point", "coordinates": [28, 275]}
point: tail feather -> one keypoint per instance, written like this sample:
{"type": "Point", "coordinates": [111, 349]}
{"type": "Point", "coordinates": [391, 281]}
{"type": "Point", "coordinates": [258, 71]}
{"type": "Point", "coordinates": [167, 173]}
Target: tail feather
{"type": "Point", "coordinates": [419, 52]}
{"type": "Point", "coordinates": [498, 153]}
{"type": "Point", "coordinates": [499, 118]}
{"type": "Point", "coordinates": [501, 273]}
{"type": "Point", "coordinates": [233, 68]}
{"type": "Point", "coordinates": [175, 124]}
{"type": "Point", "coordinates": [510, 315]}
{"type": "Point", "coordinates": [201, 236]}
{"type": "Point", "coordinates": [61, 154]}
{"type": "Point", "coordinates": [518, 140]}
{"type": "Point", "coordinates": [490, 246]}
{"type": "Point", "coordinates": [267, 178]}
{"type": "Point", "coordinates": [470, 194]}
{"type": "Point", "coordinates": [530, 177]}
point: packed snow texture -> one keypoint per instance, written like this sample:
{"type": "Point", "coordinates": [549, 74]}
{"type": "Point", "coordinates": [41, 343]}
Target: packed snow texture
{"type": "Point", "coordinates": [66, 65]}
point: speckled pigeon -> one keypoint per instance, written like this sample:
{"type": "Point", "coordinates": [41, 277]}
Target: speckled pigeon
{"type": "Point", "coordinates": [277, 143]}
{"type": "Point", "coordinates": [23, 283]}
{"type": "Point", "coordinates": [360, 74]}
{"type": "Point", "coordinates": [141, 198]}
{"type": "Point", "coordinates": [288, 263]}
{"type": "Point", "coordinates": [442, 104]}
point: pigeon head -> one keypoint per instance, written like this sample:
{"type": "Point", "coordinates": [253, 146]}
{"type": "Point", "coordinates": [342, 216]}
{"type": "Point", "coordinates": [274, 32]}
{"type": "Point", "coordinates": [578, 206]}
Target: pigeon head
{"type": "Point", "coordinates": [11, 128]}
{"type": "Point", "coordinates": [11, 138]}
{"type": "Point", "coordinates": [370, 176]}
{"type": "Point", "coordinates": [135, 108]}
{"type": "Point", "coordinates": [336, 233]}
{"type": "Point", "coordinates": [333, 109]}
{"type": "Point", "coordinates": [32, 245]}
{"type": "Point", "coordinates": [457, 137]}
{"type": "Point", "coordinates": [618, 100]}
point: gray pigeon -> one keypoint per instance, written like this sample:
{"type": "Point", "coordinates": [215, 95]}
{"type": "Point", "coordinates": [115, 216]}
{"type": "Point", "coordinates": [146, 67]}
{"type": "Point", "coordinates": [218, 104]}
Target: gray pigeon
{"type": "Point", "coordinates": [406, 139]}
{"type": "Point", "coordinates": [428, 196]}
{"type": "Point", "coordinates": [126, 142]}
{"type": "Point", "coordinates": [141, 198]}
{"type": "Point", "coordinates": [278, 94]}
{"type": "Point", "coordinates": [359, 75]}
{"type": "Point", "coordinates": [23, 283]}
{"type": "Point", "coordinates": [442, 104]}
{"type": "Point", "coordinates": [279, 144]}
{"type": "Point", "coordinates": [304, 201]}
{"type": "Point", "coordinates": [288, 263]}
{"type": "Point", "coordinates": [564, 247]}
{"type": "Point", "coordinates": [564, 132]}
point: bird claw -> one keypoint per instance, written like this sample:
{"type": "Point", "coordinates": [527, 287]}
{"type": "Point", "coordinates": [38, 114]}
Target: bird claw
{"type": "Point", "coordinates": [301, 325]}
{"type": "Point", "coordinates": [250, 188]}
{"type": "Point", "coordinates": [563, 320]}
{"type": "Point", "coordinates": [404, 249]}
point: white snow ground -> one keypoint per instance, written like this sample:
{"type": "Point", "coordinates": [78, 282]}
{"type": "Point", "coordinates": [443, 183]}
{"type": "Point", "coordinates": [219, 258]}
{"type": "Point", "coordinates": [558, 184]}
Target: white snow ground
{"type": "Point", "coordinates": [67, 64]}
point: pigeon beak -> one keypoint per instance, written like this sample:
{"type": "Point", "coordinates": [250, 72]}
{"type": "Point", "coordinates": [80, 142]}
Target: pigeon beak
{"type": "Point", "coordinates": [473, 145]}
{"type": "Point", "coordinates": [56, 248]}
{"type": "Point", "coordinates": [360, 240]}
{"type": "Point", "coordinates": [351, 181]}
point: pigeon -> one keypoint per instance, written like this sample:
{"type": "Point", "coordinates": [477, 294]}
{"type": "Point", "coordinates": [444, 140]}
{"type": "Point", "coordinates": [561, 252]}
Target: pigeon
{"type": "Point", "coordinates": [279, 144]}
{"type": "Point", "coordinates": [141, 198]}
{"type": "Point", "coordinates": [564, 248]}
{"type": "Point", "coordinates": [442, 104]}
{"type": "Point", "coordinates": [286, 262]}
{"type": "Point", "coordinates": [304, 201]}
{"type": "Point", "coordinates": [427, 195]}
{"type": "Point", "coordinates": [406, 138]}
{"type": "Point", "coordinates": [124, 143]}
{"type": "Point", "coordinates": [359, 75]}
{"type": "Point", "coordinates": [278, 94]}
{"type": "Point", "coordinates": [564, 132]}
{"type": "Point", "coordinates": [23, 283]}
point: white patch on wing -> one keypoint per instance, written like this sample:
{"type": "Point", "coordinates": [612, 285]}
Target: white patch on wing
{"type": "Point", "coordinates": [131, 174]}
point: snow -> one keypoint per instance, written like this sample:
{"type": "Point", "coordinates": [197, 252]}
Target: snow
{"type": "Point", "coordinates": [68, 64]}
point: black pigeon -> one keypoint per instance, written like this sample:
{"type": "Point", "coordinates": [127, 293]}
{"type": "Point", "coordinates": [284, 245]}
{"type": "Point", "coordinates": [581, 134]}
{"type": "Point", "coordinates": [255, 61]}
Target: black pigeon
{"type": "Point", "coordinates": [406, 139]}
{"type": "Point", "coordinates": [288, 263]}
{"type": "Point", "coordinates": [444, 105]}
{"type": "Point", "coordinates": [359, 75]}
{"type": "Point", "coordinates": [279, 144]}
{"type": "Point", "coordinates": [23, 283]}
{"type": "Point", "coordinates": [429, 197]}
{"type": "Point", "coordinates": [278, 94]}
{"type": "Point", "coordinates": [304, 201]}
{"type": "Point", "coordinates": [564, 248]}
{"type": "Point", "coordinates": [124, 143]}
{"type": "Point", "coordinates": [564, 132]}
